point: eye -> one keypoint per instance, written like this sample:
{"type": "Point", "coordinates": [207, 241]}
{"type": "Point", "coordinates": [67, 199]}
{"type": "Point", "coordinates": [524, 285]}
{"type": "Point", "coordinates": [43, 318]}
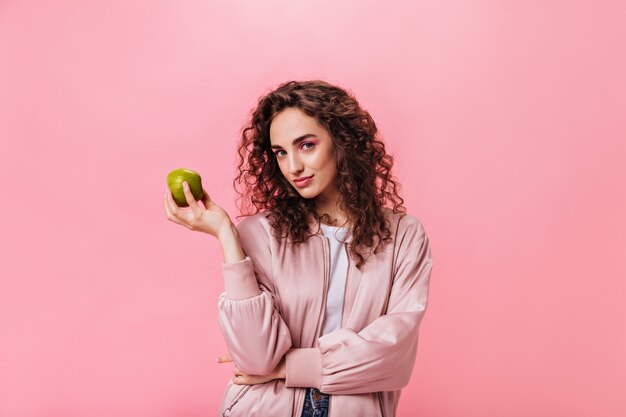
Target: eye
{"type": "Point", "coordinates": [308, 143]}
{"type": "Point", "coordinates": [277, 152]}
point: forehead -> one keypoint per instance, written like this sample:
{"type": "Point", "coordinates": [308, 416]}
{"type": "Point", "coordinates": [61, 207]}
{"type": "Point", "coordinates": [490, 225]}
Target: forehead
{"type": "Point", "coordinates": [292, 123]}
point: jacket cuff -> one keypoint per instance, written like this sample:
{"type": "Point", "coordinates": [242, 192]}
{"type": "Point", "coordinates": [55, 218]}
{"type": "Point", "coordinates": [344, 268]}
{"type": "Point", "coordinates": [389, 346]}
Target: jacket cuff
{"type": "Point", "coordinates": [303, 368]}
{"type": "Point", "coordinates": [239, 279]}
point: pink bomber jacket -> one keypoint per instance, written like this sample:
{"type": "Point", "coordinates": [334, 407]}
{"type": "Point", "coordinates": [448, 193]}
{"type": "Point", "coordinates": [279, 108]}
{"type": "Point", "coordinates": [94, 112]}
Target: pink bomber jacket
{"type": "Point", "coordinates": [273, 306]}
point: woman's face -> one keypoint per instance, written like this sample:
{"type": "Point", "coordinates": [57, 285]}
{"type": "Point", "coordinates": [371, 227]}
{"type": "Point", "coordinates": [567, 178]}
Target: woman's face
{"type": "Point", "coordinates": [304, 148]}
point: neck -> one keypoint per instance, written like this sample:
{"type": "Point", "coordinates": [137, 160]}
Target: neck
{"type": "Point", "coordinates": [337, 220]}
{"type": "Point", "coordinates": [328, 208]}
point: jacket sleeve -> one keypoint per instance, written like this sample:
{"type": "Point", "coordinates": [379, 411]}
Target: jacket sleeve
{"type": "Point", "coordinates": [381, 356]}
{"type": "Point", "coordinates": [249, 312]}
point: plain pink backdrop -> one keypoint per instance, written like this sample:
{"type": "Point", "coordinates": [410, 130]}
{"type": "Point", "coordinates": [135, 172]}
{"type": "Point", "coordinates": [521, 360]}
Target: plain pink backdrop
{"type": "Point", "coordinates": [506, 119]}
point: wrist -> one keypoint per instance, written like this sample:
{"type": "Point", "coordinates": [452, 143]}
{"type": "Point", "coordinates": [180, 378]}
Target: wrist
{"type": "Point", "coordinates": [281, 369]}
{"type": "Point", "coordinates": [231, 246]}
{"type": "Point", "coordinates": [227, 231]}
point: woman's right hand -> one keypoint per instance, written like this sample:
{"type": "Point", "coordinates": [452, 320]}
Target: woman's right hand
{"type": "Point", "coordinates": [207, 217]}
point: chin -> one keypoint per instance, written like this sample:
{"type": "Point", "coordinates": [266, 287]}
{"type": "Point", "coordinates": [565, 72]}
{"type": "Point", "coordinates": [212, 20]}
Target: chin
{"type": "Point", "coordinates": [307, 194]}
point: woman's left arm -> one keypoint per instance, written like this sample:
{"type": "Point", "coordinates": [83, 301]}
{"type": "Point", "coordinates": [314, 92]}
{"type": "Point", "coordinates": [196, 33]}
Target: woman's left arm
{"type": "Point", "coordinates": [381, 356]}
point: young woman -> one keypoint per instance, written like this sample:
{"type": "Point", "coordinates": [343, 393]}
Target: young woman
{"type": "Point", "coordinates": [325, 286]}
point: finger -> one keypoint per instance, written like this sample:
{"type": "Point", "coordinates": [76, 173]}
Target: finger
{"type": "Point", "coordinates": [237, 372]}
{"type": "Point", "coordinates": [168, 211]}
{"type": "Point", "coordinates": [224, 358]}
{"type": "Point", "coordinates": [170, 202]}
{"type": "Point", "coordinates": [191, 200]}
{"type": "Point", "coordinates": [205, 198]}
{"type": "Point", "coordinates": [243, 380]}
{"type": "Point", "coordinates": [171, 216]}
{"type": "Point", "coordinates": [237, 377]}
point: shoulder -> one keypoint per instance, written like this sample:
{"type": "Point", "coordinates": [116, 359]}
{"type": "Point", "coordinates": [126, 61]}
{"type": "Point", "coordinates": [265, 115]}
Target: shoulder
{"type": "Point", "coordinates": [411, 244]}
{"type": "Point", "coordinates": [406, 228]}
{"type": "Point", "coordinates": [254, 231]}
{"type": "Point", "coordinates": [253, 234]}
{"type": "Point", "coordinates": [402, 223]}
{"type": "Point", "coordinates": [254, 222]}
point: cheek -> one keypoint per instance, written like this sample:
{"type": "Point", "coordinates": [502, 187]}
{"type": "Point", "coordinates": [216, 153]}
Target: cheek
{"type": "Point", "coordinates": [330, 164]}
{"type": "Point", "coordinates": [322, 161]}
{"type": "Point", "coordinates": [281, 167]}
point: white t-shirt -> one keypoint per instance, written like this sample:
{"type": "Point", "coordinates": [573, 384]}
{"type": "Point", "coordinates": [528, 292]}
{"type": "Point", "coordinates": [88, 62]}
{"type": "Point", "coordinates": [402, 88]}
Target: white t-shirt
{"type": "Point", "coordinates": [338, 272]}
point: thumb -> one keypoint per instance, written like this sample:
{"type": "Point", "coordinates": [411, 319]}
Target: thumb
{"type": "Point", "coordinates": [224, 358]}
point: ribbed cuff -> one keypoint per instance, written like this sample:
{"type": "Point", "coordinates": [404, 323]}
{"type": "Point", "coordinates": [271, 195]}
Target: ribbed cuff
{"type": "Point", "coordinates": [239, 280]}
{"type": "Point", "coordinates": [303, 368]}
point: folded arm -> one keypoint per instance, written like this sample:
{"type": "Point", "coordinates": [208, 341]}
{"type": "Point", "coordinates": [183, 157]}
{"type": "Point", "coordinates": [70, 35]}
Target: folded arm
{"type": "Point", "coordinates": [249, 313]}
{"type": "Point", "coordinates": [381, 356]}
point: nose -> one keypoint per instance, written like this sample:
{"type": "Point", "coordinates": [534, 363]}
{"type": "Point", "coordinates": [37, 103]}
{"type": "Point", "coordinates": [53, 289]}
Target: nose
{"type": "Point", "coordinates": [294, 164]}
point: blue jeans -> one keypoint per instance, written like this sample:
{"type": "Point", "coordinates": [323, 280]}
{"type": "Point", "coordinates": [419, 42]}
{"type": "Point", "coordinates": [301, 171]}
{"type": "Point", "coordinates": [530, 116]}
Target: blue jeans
{"type": "Point", "coordinates": [315, 403]}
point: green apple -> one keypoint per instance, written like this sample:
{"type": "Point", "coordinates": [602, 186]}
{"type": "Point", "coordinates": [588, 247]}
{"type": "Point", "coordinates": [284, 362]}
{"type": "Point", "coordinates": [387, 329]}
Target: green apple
{"type": "Point", "coordinates": [175, 182]}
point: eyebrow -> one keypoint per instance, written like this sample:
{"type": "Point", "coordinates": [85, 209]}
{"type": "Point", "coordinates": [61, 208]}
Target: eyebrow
{"type": "Point", "coordinates": [296, 140]}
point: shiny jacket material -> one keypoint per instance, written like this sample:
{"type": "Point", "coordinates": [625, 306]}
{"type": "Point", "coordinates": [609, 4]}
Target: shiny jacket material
{"type": "Point", "coordinates": [274, 303]}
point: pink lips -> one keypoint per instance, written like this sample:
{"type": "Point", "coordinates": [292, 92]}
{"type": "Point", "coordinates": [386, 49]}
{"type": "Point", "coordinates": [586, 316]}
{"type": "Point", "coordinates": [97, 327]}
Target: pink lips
{"type": "Point", "coordinates": [304, 181]}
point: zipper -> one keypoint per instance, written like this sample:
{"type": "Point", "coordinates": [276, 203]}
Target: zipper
{"type": "Point", "coordinates": [325, 292]}
{"type": "Point", "coordinates": [325, 246]}
{"type": "Point", "coordinates": [239, 396]}
{"type": "Point", "coordinates": [324, 288]}
{"type": "Point", "coordinates": [345, 291]}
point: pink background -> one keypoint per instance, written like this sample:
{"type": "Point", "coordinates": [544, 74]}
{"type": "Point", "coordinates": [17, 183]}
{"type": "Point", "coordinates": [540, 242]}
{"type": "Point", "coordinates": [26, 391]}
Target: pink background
{"type": "Point", "coordinates": [507, 122]}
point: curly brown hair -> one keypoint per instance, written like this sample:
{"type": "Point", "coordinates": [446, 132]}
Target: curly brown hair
{"type": "Point", "coordinates": [364, 177]}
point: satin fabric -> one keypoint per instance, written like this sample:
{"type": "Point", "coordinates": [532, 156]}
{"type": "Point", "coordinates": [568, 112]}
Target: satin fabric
{"type": "Point", "coordinates": [273, 307]}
